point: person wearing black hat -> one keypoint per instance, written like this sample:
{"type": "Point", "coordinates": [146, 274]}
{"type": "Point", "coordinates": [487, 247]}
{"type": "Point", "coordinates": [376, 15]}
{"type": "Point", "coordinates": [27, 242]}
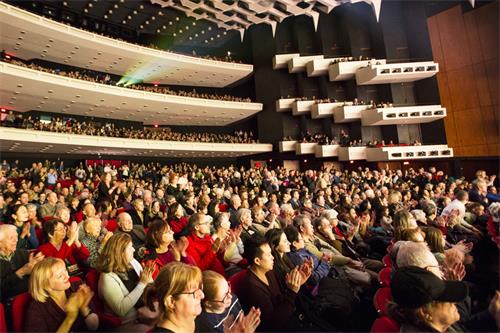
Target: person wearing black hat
{"type": "Point", "coordinates": [424, 302]}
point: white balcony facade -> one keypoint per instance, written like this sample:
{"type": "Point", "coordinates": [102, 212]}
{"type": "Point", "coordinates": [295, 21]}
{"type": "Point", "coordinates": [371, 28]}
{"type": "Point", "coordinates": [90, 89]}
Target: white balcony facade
{"type": "Point", "coordinates": [284, 104]}
{"type": "Point", "coordinates": [325, 110]}
{"type": "Point", "coordinates": [302, 107]}
{"type": "Point", "coordinates": [349, 113]}
{"type": "Point", "coordinates": [298, 64]}
{"type": "Point", "coordinates": [304, 148]}
{"type": "Point", "coordinates": [396, 73]}
{"type": "Point", "coordinates": [402, 115]}
{"type": "Point", "coordinates": [24, 89]}
{"type": "Point", "coordinates": [408, 153]}
{"type": "Point", "coordinates": [351, 153]}
{"type": "Point", "coordinates": [280, 61]}
{"type": "Point", "coordinates": [285, 146]}
{"type": "Point", "coordinates": [28, 141]}
{"type": "Point", "coordinates": [318, 67]}
{"type": "Point", "coordinates": [28, 36]}
{"type": "Point", "coordinates": [346, 70]}
{"type": "Point", "coordinates": [321, 151]}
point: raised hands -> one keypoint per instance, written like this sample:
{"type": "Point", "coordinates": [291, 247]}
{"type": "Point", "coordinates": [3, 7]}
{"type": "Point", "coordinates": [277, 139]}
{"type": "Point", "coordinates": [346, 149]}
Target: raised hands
{"type": "Point", "coordinates": [244, 324]}
{"type": "Point", "coordinates": [454, 272]}
{"type": "Point", "coordinates": [179, 248]}
{"type": "Point", "coordinates": [147, 273]}
{"type": "Point", "coordinates": [33, 259]}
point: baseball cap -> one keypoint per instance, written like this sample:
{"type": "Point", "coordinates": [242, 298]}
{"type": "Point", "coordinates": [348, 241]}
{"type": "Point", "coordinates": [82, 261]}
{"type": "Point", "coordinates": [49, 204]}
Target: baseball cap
{"type": "Point", "coordinates": [413, 287]}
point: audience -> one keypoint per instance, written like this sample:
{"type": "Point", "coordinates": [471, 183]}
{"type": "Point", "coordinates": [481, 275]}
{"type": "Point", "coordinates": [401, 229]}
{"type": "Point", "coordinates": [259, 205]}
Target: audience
{"type": "Point", "coordinates": [102, 78]}
{"type": "Point", "coordinates": [109, 129]}
{"type": "Point", "coordinates": [326, 233]}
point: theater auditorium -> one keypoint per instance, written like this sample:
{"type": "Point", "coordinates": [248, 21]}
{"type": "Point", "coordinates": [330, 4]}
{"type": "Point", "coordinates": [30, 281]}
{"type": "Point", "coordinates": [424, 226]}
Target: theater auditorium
{"type": "Point", "coordinates": [241, 166]}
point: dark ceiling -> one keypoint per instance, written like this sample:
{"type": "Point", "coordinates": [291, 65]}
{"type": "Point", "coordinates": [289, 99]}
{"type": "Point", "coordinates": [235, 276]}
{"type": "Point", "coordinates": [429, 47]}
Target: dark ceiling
{"type": "Point", "coordinates": [139, 21]}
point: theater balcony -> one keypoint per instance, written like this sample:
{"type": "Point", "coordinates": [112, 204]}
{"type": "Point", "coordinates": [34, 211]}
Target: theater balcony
{"type": "Point", "coordinates": [408, 153]}
{"type": "Point", "coordinates": [396, 73]}
{"type": "Point", "coordinates": [318, 67]}
{"type": "Point", "coordinates": [325, 110]}
{"type": "Point", "coordinates": [402, 115]}
{"type": "Point", "coordinates": [302, 148]}
{"type": "Point", "coordinates": [298, 64]}
{"type": "Point", "coordinates": [285, 146]}
{"type": "Point", "coordinates": [349, 113]}
{"type": "Point", "coordinates": [351, 153]}
{"type": "Point", "coordinates": [280, 61]}
{"type": "Point", "coordinates": [15, 140]}
{"type": "Point", "coordinates": [321, 151]}
{"type": "Point", "coordinates": [60, 43]}
{"type": "Point", "coordinates": [25, 89]}
{"type": "Point", "coordinates": [346, 70]}
{"type": "Point", "coordinates": [302, 107]}
{"type": "Point", "coordinates": [284, 104]}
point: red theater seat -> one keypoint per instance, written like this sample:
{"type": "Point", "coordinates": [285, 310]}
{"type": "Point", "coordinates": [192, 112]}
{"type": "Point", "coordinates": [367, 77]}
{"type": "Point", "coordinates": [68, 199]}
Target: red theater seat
{"type": "Point", "coordinates": [380, 299]}
{"type": "Point", "coordinates": [385, 324]}
{"type": "Point", "coordinates": [20, 305]}
{"type": "Point", "coordinates": [384, 276]}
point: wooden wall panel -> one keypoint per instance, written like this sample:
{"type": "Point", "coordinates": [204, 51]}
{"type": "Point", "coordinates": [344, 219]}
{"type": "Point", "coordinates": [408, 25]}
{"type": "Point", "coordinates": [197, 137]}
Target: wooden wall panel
{"type": "Point", "coordinates": [466, 47]}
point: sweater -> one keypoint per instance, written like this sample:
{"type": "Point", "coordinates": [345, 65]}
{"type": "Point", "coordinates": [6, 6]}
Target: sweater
{"type": "Point", "coordinates": [10, 284]}
{"type": "Point", "coordinates": [200, 249]}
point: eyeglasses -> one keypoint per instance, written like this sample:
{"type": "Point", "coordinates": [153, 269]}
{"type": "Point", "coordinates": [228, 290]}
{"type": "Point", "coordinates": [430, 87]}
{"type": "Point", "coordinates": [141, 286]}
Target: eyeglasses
{"type": "Point", "coordinates": [197, 293]}
{"type": "Point", "coordinates": [226, 296]}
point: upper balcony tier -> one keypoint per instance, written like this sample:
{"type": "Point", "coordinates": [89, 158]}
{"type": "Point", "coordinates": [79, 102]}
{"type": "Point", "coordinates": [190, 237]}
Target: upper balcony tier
{"type": "Point", "coordinates": [402, 115]}
{"type": "Point", "coordinates": [346, 70]}
{"type": "Point", "coordinates": [25, 89]}
{"type": "Point", "coordinates": [27, 36]}
{"type": "Point", "coordinates": [395, 73]}
{"type": "Point", "coordinates": [27, 141]}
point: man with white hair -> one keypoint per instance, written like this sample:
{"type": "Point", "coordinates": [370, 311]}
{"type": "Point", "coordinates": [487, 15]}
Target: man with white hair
{"type": "Point", "coordinates": [418, 254]}
{"type": "Point", "coordinates": [126, 225]}
{"type": "Point", "coordinates": [15, 265]}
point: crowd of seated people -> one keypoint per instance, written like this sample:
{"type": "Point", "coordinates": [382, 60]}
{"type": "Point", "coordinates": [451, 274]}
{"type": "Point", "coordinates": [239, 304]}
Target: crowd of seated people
{"type": "Point", "coordinates": [355, 101]}
{"type": "Point", "coordinates": [109, 129]}
{"type": "Point", "coordinates": [103, 78]}
{"type": "Point", "coordinates": [181, 248]}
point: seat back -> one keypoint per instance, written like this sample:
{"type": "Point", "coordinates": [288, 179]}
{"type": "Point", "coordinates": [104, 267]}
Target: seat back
{"type": "Point", "coordinates": [384, 276]}
{"type": "Point", "coordinates": [380, 299]}
{"type": "Point", "coordinates": [387, 261]}
{"type": "Point", "coordinates": [108, 322]}
{"type": "Point", "coordinates": [385, 324]}
{"type": "Point", "coordinates": [3, 322]}
{"type": "Point", "coordinates": [20, 305]}
{"type": "Point", "coordinates": [236, 282]}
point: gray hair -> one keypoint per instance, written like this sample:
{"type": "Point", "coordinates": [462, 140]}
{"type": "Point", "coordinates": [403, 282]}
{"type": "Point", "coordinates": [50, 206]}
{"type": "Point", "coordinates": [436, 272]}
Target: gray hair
{"type": "Point", "coordinates": [243, 211]}
{"type": "Point", "coordinates": [5, 228]}
{"type": "Point", "coordinates": [415, 254]}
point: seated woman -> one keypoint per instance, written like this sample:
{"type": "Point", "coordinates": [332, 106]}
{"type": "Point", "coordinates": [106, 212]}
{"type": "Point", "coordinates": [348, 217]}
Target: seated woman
{"type": "Point", "coordinates": [122, 280]}
{"type": "Point", "coordinates": [58, 306]}
{"type": "Point", "coordinates": [154, 211]}
{"type": "Point", "coordinates": [176, 219]}
{"type": "Point", "coordinates": [424, 302]}
{"type": "Point", "coordinates": [26, 231]}
{"type": "Point", "coordinates": [178, 292]}
{"type": "Point", "coordinates": [94, 238]}
{"type": "Point", "coordinates": [264, 290]}
{"type": "Point", "coordinates": [69, 249]}
{"type": "Point", "coordinates": [220, 307]}
{"type": "Point", "coordinates": [162, 248]}
{"type": "Point", "coordinates": [228, 240]}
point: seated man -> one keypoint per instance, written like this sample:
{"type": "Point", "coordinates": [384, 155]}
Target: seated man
{"type": "Point", "coordinates": [201, 246]}
{"type": "Point", "coordinates": [15, 265]}
{"type": "Point", "coordinates": [125, 225]}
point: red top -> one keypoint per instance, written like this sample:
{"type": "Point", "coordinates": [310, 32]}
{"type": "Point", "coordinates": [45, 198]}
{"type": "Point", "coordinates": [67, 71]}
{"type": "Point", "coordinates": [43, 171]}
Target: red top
{"type": "Point", "coordinates": [71, 254]}
{"type": "Point", "coordinates": [200, 249]}
{"type": "Point", "coordinates": [178, 225]}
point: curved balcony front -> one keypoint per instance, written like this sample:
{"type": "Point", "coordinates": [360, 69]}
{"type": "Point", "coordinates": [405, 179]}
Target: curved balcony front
{"type": "Point", "coordinates": [27, 141]}
{"type": "Point", "coordinates": [25, 89]}
{"type": "Point", "coordinates": [27, 36]}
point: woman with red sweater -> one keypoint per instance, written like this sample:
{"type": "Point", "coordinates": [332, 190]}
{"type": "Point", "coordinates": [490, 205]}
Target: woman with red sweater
{"type": "Point", "coordinates": [176, 219]}
{"type": "Point", "coordinates": [70, 250]}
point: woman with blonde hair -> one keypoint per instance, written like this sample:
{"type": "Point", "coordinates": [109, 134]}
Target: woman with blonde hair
{"type": "Point", "coordinates": [122, 280]}
{"type": "Point", "coordinates": [57, 306]}
{"type": "Point", "coordinates": [178, 290]}
{"type": "Point", "coordinates": [403, 219]}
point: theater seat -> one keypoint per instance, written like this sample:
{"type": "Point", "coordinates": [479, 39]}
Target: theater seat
{"type": "Point", "coordinates": [236, 282]}
{"type": "Point", "coordinates": [380, 299]}
{"type": "Point", "coordinates": [3, 322]}
{"type": "Point", "coordinates": [107, 322]}
{"type": "Point", "coordinates": [387, 261]}
{"type": "Point", "coordinates": [384, 276]}
{"type": "Point", "coordinates": [385, 324]}
{"type": "Point", "coordinates": [20, 305]}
